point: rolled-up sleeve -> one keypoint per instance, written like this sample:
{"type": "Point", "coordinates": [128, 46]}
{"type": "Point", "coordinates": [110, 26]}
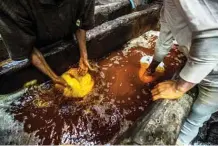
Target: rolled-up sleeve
{"type": "Point", "coordinates": [16, 29]}
{"type": "Point", "coordinates": [202, 59]}
{"type": "Point", "coordinates": [87, 17]}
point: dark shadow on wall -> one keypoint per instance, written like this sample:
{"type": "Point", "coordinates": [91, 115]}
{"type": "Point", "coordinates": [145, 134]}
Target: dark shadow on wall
{"type": "Point", "coordinates": [3, 51]}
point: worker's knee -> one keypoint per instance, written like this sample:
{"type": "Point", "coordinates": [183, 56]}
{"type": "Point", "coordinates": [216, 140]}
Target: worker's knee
{"type": "Point", "coordinates": [208, 95]}
{"type": "Point", "coordinates": [204, 106]}
{"type": "Point", "coordinates": [200, 109]}
{"type": "Point", "coordinates": [199, 114]}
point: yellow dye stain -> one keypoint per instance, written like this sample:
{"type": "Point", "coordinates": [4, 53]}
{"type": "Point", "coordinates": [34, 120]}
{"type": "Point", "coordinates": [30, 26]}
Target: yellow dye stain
{"type": "Point", "coordinates": [41, 103]}
{"type": "Point", "coordinates": [79, 86]}
{"type": "Point", "coordinates": [30, 83]}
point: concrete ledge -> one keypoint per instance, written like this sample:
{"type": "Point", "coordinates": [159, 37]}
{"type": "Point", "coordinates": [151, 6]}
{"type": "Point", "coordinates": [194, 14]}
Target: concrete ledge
{"type": "Point", "coordinates": [161, 125]}
{"type": "Point", "coordinates": [104, 13]}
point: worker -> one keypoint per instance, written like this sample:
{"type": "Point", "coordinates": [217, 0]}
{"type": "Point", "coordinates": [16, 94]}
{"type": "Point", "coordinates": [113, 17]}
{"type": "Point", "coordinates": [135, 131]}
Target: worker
{"type": "Point", "coordinates": [28, 25]}
{"type": "Point", "coordinates": [194, 24]}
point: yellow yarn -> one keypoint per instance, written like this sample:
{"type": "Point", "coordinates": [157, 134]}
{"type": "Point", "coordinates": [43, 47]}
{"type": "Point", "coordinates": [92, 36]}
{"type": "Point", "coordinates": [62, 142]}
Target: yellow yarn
{"type": "Point", "coordinates": [79, 86]}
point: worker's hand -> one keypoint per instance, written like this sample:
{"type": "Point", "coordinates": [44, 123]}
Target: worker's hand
{"type": "Point", "coordinates": [84, 66]}
{"type": "Point", "coordinates": [60, 87]}
{"type": "Point", "coordinates": [166, 90]}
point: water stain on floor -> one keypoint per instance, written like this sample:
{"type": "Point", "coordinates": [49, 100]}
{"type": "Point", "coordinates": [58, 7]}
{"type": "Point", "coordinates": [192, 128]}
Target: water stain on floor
{"type": "Point", "coordinates": [117, 100]}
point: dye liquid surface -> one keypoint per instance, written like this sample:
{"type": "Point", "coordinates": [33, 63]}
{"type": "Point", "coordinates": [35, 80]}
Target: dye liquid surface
{"type": "Point", "coordinates": [115, 103]}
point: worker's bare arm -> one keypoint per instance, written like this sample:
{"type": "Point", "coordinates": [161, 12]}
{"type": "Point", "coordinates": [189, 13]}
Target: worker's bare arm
{"type": "Point", "coordinates": [184, 86]}
{"type": "Point", "coordinates": [38, 61]}
{"type": "Point", "coordinates": [84, 65]}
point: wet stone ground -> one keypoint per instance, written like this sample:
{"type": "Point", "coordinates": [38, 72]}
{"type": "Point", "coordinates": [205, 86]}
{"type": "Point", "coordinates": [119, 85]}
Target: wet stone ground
{"type": "Point", "coordinates": [115, 103]}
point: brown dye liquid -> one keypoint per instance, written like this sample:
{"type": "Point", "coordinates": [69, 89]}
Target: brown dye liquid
{"type": "Point", "coordinates": [118, 99]}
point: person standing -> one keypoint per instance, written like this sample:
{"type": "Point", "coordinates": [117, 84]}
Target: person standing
{"type": "Point", "coordinates": [194, 25]}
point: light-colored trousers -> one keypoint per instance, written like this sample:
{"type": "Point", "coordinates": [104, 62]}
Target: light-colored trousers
{"type": "Point", "coordinates": [207, 101]}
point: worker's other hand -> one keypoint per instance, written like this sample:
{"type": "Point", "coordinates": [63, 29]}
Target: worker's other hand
{"type": "Point", "coordinates": [84, 66]}
{"type": "Point", "coordinates": [60, 81]}
{"type": "Point", "coordinates": [166, 90]}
